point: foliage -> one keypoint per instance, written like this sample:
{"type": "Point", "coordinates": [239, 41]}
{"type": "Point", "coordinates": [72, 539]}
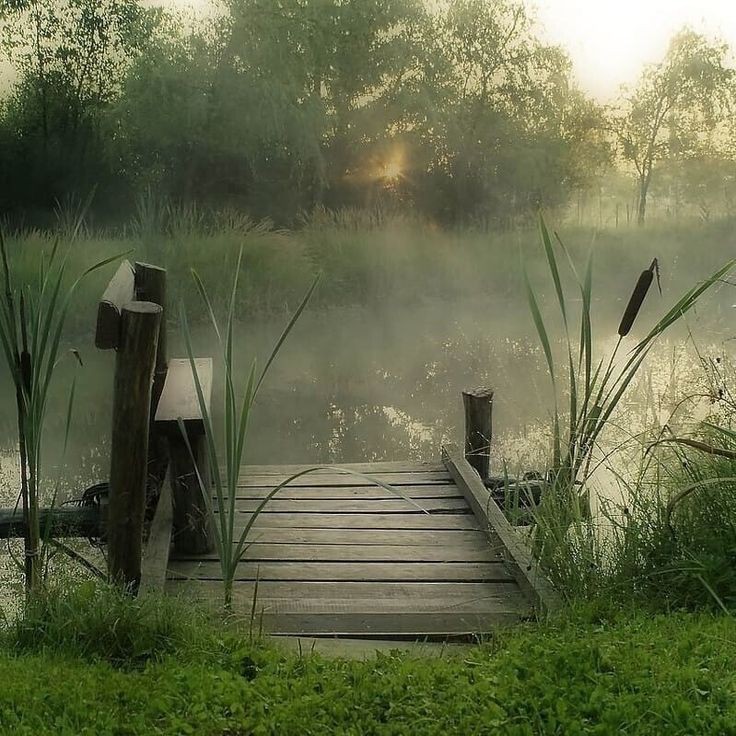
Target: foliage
{"type": "Point", "coordinates": [280, 109]}
{"type": "Point", "coordinates": [595, 388]}
{"type": "Point", "coordinates": [674, 108]}
{"type": "Point", "coordinates": [635, 673]}
{"type": "Point", "coordinates": [71, 56]}
{"type": "Point", "coordinates": [32, 318]}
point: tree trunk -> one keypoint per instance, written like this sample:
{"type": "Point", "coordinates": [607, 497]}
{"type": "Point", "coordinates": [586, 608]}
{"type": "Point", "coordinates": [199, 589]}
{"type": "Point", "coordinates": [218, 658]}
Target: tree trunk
{"type": "Point", "coordinates": [642, 203]}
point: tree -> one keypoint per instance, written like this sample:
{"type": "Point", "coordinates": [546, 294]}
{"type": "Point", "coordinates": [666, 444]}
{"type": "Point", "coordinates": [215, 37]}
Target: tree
{"type": "Point", "coordinates": [71, 56]}
{"type": "Point", "coordinates": [674, 107]}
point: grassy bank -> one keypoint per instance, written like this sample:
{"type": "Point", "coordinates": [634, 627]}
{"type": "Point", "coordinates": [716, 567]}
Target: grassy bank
{"type": "Point", "coordinates": [626, 672]}
{"type": "Point", "coordinates": [369, 263]}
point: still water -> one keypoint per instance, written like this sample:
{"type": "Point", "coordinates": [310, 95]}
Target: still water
{"type": "Point", "coordinates": [358, 385]}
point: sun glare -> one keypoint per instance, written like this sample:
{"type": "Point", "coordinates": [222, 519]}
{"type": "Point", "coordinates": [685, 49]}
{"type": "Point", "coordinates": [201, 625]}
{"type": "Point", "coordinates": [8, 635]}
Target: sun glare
{"type": "Point", "coordinates": [391, 170]}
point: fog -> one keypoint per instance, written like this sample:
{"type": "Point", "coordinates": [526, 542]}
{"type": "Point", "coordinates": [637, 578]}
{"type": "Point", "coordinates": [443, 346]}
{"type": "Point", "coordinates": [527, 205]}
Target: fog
{"type": "Point", "coordinates": [403, 150]}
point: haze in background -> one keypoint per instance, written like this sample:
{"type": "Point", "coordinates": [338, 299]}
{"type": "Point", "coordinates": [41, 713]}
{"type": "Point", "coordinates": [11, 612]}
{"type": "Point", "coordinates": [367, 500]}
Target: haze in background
{"type": "Point", "coordinates": [610, 41]}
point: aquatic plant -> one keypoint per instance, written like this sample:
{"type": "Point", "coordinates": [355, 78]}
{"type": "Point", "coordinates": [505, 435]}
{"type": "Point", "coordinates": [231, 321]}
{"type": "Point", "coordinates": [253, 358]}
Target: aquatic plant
{"type": "Point", "coordinates": [594, 388]}
{"type": "Point", "coordinates": [33, 311]}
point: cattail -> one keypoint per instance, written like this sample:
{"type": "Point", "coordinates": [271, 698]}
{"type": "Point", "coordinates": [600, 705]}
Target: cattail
{"type": "Point", "coordinates": [637, 299]}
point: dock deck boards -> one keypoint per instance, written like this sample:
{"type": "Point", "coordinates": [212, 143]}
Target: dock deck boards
{"type": "Point", "coordinates": [337, 556]}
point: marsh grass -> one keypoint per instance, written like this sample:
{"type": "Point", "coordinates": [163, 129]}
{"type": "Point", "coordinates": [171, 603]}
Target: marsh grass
{"type": "Point", "coordinates": [33, 310]}
{"type": "Point", "coordinates": [565, 537]}
{"type": "Point", "coordinates": [97, 621]}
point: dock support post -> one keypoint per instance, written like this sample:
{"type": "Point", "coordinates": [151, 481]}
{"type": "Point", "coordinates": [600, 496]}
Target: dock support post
{"type": "Point", "coordinates": [134, 368]}
{"type": "Point", "coordinates": [193, 533]}
{"type": "Point", "coordinates": [150, 286]}
{"type": "Point", "coordinates": [478, 404]}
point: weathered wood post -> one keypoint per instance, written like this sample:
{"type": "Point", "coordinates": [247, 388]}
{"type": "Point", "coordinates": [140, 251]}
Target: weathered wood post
{"type": "Point", "coordinates": [192, 528]}
{"type": "Point", "coordinates": [478, 405]}
{"type": "Point", "coordinates": [150, 286]}
{"type": "Point", "coordinates": [134, 368]}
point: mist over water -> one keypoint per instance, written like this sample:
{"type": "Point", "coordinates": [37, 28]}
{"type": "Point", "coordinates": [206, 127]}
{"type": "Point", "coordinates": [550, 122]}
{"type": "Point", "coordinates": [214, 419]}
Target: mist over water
{"type": "Point", "coordinates": [383, 380]}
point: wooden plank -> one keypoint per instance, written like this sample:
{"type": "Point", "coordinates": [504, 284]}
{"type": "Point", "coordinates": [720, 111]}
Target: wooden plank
{"type": "Point", "coordinates": [362, 521]}
{"type": "Point", "coordinates": [381, 592]}
{"type": "Point", "coordinates": [523, 566]}
{"type": "Point", "coordinates": [286, 599]}
{"type": "Point", "coordinates": [367, 537]}
{"type": "Point", "coordinates": [362, 598]}
{"type": "Point", "coordinates": [399, 554]}
{"type": "Point", "coordinates": [334, 478]}
{"type": "Point", "coordinates": [119, 292]}
{"type": "Point", "coordinates": [355, 506]}
{"type": "Point", "coordinates": [417, 492]}
{"type": "Point", "coordinates": [400, 466]}
{"type": "Point", "coordinates": [179, 397]}
{"type": "Point", "coordinates": [355, 571]}
{"type": "Point", "coordinates": [156, 552]}
{"type": "Point", "coordinates": [387, 625]}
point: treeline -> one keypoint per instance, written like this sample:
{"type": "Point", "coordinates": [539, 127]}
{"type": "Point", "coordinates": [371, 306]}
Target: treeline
{"type": "Point", "coordinates": [277, 107]}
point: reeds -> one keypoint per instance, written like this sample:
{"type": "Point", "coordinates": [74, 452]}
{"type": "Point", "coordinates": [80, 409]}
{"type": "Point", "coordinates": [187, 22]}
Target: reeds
{"type": "Point", "coordinates": [595, 387]}
{"type": "Point", "coordinates": [32, 317]}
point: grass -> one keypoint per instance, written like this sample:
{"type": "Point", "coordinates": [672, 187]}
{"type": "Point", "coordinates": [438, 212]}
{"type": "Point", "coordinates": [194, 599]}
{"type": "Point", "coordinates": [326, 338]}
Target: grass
{"type": "Point", "coordinates": [626, 672]}
{"type": "Point", "coordinates": [370, 263]}
{"type": "Point", "coordinates": [563, 533]}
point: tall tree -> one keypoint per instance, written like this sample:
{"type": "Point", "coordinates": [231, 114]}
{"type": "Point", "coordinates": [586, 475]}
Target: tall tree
{"type": "Point", "coordinates": [674, 107]}
{"type": "Point", "coordinates": [71, 57]}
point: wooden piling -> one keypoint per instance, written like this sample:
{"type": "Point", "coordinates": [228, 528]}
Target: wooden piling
{"type": "Point", "coordinates": [150, 286]}
{"type": "Point", "coordinates": [192, 522]}
{"type": "Point", "coordinates": [134, 368]}
{"type": "Point", "coordinates": [478, 404]}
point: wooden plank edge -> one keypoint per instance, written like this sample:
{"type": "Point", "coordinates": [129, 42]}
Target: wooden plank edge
{"type": "Point", "coordinates": [518, 556]}
{"type": "Point", "coordinates": [156, 553]}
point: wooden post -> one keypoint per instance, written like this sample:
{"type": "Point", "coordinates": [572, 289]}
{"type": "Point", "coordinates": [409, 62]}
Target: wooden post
{"type": "Point", "coordinates": [150, 286]}
{"type": "Point", "coordinates": [192, 523]}
{"type": "Point", "coordinates": [478, 405]}
{"type": "Point", "coordinates": [134, 367]}
{"type": "Point", "coordinates": [192, 532]}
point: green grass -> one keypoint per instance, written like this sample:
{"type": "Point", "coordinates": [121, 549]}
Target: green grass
{"type": "Point", "coordinates": [590, 675]}
{"type": "Point", "coordinates": [368, 263]}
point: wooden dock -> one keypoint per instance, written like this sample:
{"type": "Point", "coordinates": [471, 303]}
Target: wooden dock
{"type": "Point", "coordinates": [333, 554]}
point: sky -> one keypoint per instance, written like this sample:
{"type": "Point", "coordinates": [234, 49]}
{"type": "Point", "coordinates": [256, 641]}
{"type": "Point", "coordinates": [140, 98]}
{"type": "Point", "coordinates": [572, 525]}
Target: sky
{"type": "Point", "coordinates": [609, 40]}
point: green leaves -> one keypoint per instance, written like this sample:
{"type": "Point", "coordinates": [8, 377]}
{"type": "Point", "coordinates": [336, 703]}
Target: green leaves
{"type": "Point", "coordinates": [593, 395]}
{"type": "Point", "coordinates": [32, 318]}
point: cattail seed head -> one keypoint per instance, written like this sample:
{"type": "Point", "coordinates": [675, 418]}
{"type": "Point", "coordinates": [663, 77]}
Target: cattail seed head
{"type": "Point", "coordinates": [637, 299]}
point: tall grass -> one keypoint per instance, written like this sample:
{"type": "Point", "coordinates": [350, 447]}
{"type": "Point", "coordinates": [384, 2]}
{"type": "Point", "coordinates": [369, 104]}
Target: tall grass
{"type": "Point", "coordinates": [591, 386]}
{"type": "Point", "coordinates": [33, 312]}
